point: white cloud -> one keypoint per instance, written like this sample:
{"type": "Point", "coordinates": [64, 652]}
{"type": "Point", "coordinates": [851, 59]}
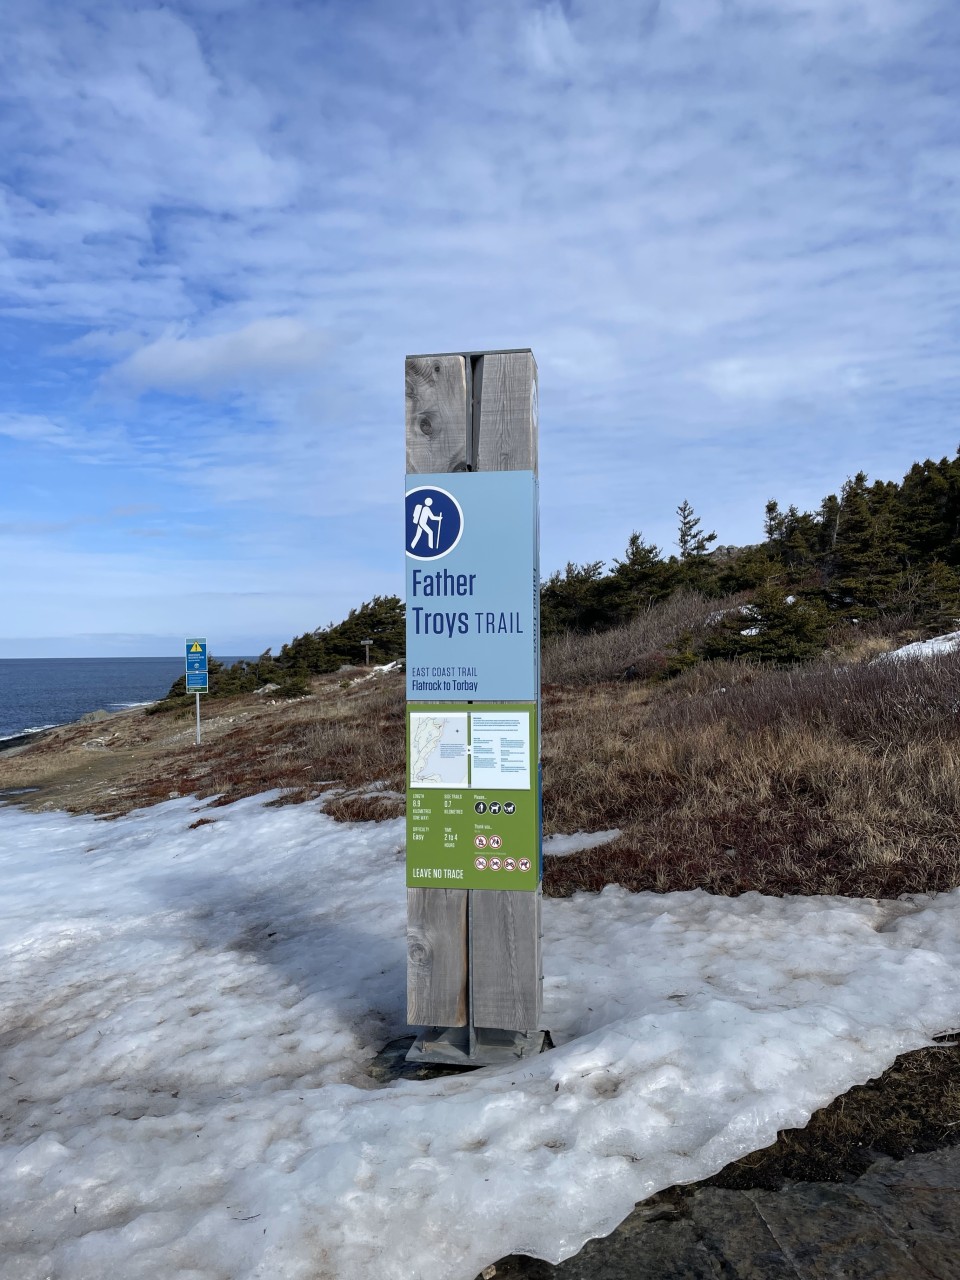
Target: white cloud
{"type": "Point", "coordinates": [34, 428]}
{"type": "Point", "coordinates": [725, 229]}
{"type": "Point", "coordinates": [774, 378]}
{"type": "Point", "coordinates": [549, 41]}
{"type": "Point", "coordinates": [277, 347]}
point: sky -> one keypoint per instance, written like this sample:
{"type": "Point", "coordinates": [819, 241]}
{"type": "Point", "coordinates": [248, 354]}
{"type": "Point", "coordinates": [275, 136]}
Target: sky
{"type": "Point", "coordinates": [728, 229]}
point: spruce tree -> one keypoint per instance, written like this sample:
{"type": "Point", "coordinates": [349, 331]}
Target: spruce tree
{"type": "Point", "coordinates": [692, 541]}
{"type": "Point", "coordinates": [695, 567]}
{"type": "Point", "coordinates": [774, 627]}
{"type": "Point", "coordinates": [573, 600]}
{"type": "Point", "coordinates": [640, 579]}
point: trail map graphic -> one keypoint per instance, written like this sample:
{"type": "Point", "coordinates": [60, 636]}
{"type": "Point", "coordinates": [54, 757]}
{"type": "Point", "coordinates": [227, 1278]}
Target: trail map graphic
{"type": "Point", "coordinates": [438, 750]}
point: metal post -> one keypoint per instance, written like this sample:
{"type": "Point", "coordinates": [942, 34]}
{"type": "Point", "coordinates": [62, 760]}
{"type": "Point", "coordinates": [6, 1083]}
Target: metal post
{"type": "Point", "coordinates": [198, 719]}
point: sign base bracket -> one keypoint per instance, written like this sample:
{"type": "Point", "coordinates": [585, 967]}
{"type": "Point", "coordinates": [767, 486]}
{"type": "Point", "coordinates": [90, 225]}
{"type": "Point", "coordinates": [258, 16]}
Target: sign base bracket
{"type": "Point", "coordinates": [475, 1046]}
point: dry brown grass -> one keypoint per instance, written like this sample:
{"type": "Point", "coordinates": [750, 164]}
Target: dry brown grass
{"type": "Point", "coordinates": [645, 647]}
{"type": "Point", "coordinates": [338, 741]}
{"type": "Point", "coordinates": [816, 780]}
{"type": "Point", "coordinates": [821, 779]}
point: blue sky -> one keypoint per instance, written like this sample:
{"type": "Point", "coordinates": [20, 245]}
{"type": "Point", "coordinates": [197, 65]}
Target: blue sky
{"type": "Point", "coordinates": [727, 228]}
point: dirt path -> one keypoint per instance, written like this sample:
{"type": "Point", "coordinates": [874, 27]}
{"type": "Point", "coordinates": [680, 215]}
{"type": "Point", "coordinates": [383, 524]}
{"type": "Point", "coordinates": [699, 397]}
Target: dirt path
{"type": "Point", "coordinates": [110, 763]}
{"type": "Point", "coordinates": [347, 733]}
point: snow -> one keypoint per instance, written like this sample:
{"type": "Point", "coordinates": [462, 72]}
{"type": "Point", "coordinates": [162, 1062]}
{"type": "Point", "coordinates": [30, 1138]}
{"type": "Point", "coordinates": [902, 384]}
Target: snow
{"type": "Point", "coordinates": [560, 846]}
{"type": "Point", "coordinates": [376, 671]}
{"type": "Point", "coordinates": [186, 1019]}
{"type": "Point", "coordinates": [923, 648]}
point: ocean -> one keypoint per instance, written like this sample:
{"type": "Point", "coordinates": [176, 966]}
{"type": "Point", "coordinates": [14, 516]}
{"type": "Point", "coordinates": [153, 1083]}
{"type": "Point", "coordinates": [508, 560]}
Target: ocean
{"type": "Point", "coordinates": [37, 693]}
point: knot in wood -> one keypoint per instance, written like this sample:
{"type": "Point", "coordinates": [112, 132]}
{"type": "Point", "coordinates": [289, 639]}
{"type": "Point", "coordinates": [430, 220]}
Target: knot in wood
{"type": "Point", "coordinates": [426, 426]}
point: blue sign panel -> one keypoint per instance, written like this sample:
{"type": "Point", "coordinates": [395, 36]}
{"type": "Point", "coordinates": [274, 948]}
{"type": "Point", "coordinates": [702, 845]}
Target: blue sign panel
{"type": "Point", "coordinates": [196, 664]}
{"type": "Point", "coordinates": [473, 589]}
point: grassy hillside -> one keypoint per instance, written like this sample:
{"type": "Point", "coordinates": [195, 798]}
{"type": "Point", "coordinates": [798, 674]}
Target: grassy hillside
{"type": "Point", "coordinates": [839, 775]}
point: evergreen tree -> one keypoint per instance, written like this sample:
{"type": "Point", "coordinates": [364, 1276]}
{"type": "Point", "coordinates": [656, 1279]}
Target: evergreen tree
{"type": "Point", "coordinates": [929, 509]}
{"type": "Point", "coordinates": [695, 568]}
{"type": "Point", "coordinates": [867, 553]}
{"type": "Point", "coordinates": [692, 541]}
{"type": "Point", "coordinates": [637, 581]}
{"type": "Point", "coordinates": [774, 627]}
{"type": "Point", "coordinates": [573, 600]}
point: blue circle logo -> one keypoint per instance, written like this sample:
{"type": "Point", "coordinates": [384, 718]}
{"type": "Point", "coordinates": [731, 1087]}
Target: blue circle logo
{"type": "Point", "coordinates": [434, 523]}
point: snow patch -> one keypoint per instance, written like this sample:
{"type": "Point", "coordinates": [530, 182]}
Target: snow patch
{"type": "Point", "coordinates": [923, 649]}
{"type": "Point", "coordinates": [376, 671]}
{"type": "Point", "coordinates": [560, 846]}
{"type": "Point", "coordinates": [187, 1017]}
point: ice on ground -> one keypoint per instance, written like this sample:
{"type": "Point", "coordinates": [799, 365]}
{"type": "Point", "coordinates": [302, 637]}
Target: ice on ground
{"type": "Point", "coordinates": [560, 845]}
{"type": "Point", "coordinates": [374, 671]}
{"type": "Point", "coordinates": [187, 1015]}
{"type": "Point", "coordinates": [923, 648]}
{"type": "Point", "coordinates": [926, 648]}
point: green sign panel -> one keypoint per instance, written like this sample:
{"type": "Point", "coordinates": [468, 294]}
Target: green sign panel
{"type": "Point", "coordinates": [473, 808]}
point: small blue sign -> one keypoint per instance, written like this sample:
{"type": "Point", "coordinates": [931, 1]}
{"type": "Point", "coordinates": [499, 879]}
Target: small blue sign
{"type": "Point", "coordinates": [196, 666]}
{"type": "Point", "coordinates": [473, 620]}
{"type": "Point", "coordinates": [434, 522]}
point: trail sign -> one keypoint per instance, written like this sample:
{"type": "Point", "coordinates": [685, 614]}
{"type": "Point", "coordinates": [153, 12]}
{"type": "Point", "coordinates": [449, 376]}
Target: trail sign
{"type": "Point", "coordinates": [474, 965]}
{"type": "Point", "coordinates": [473, 806]}
{"type": "Point", "coordinates": [472, 587]}
{"type": "Point", "coordinates": [196, 664]}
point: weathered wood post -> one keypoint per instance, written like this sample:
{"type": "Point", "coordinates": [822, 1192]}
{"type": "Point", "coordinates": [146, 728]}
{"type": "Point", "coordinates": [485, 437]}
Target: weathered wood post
{"type": "Point", "coordinates": [474, 978]}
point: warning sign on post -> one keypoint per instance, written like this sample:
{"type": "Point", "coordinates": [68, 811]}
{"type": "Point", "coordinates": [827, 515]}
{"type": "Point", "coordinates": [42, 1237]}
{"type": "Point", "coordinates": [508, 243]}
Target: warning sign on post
{"type": "Point", "coordinates": [472, 786]}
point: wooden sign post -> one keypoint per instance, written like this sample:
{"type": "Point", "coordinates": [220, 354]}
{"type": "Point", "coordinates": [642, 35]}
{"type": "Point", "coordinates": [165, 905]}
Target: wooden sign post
{"type": "Point", "coordinates": [474, 981]}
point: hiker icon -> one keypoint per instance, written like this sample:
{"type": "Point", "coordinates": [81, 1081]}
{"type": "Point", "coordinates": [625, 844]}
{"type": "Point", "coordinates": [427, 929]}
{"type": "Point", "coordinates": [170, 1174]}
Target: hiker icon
{"type": "Point", "coordinates": [423, 513]}
{"type": "Point", "coordinates": [434, 523]}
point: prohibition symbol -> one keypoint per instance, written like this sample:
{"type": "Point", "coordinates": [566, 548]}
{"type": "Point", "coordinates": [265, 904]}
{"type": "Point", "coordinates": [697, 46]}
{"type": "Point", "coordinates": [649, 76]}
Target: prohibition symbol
{"type": "Point", "coordinates": [495, 842]}
{"type": "Point", "coordinates": [480, 841]}
{"type": "Point", "coordinates": [494, 864]}
{"type": "Point", "coordinates": [509, 864]}
{"type": "Point", "coordinates": [524, 864]}
{"type": "Point", "coordinates": [480, 863]}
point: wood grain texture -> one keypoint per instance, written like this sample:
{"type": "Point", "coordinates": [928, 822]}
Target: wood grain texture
{"type": "Point", "coordinates": [505, 934]}
{"type": "Point", "coordinates": [437, 990]}
{"type": "Point", "coordinates": [508, 426]}
{"type": "Point", "coordinates": [505, 959]}
{"type": "Point", "coordinates": [436, 414]}
{"type": "Point", "coordinates": [437, 964]}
